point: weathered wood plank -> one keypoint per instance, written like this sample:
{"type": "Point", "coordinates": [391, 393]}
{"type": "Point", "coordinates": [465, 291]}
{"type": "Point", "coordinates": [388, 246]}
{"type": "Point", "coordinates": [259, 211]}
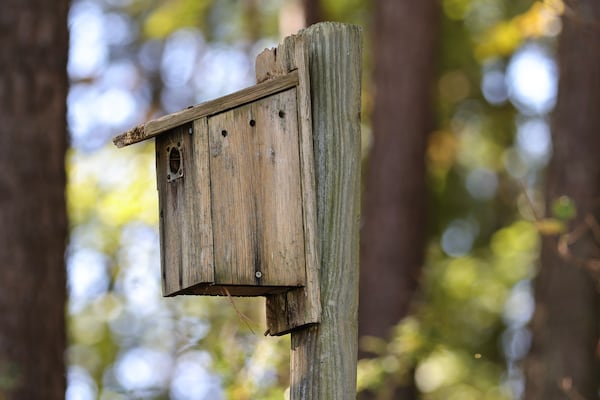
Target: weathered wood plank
{"type": "Point", "coordinates": [171, 205]}
{"type": "Point", "coordinates": [299, 307]}
{"type": "Point", "coordinates": [233, 200]}
{"type": "Point", "coordinates": [309, 300]}
{"type": "Point", "coordinates": [278, 191]}
{"type": "Point", "coordinates": [158, 126]}
{"type": "Point", "coordinates": [197, 239]}
{"type": "Point", "coordinates": [256, 195]}
{"type": "Point", "coordinates": [323, 360]}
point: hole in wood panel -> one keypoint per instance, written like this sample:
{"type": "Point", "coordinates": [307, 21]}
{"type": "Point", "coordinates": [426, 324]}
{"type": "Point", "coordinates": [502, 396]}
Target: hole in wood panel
{"type": "Point", "coordinates": [281, 113]}
{"type": "Point", "coordinates": [224, 133]}
{"type": "Point", "coordinates": [175, 162]}
{"type": "Point", "coordinates": [252, 122]}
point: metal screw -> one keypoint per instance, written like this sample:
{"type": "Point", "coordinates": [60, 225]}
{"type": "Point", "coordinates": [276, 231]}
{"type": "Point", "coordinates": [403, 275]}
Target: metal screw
{"type": "Point", "coordinates": [258, 274]}
{"type": "Point", "coordinates": [190, 131]}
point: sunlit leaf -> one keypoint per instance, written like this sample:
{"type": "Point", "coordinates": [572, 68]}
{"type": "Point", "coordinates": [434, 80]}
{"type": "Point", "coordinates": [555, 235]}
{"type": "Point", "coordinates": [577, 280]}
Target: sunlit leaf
{"type": "Point", "coordinates": [541, 19]}
{"type": "Point", "coordinates": [175, 14]}
{"type": "Point", "coordinates": [550, 226]}
{"type": "Point", "coordinates": [564, 208]}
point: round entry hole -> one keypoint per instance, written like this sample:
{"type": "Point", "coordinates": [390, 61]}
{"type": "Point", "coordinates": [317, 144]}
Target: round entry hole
{"type": "Point", "coordinates": [174, 160]}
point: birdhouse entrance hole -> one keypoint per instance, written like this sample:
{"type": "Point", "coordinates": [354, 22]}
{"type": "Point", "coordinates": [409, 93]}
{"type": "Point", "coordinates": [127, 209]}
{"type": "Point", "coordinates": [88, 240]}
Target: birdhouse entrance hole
{"type": "Point", "coordinates": [175, 162]}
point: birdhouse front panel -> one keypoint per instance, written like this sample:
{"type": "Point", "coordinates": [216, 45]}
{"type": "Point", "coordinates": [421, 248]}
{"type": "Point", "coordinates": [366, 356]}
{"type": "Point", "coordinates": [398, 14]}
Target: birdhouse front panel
{"type": "Point", "coordinates": [183, 180]}
{"type": "Point", "coordinates": [230, 194]}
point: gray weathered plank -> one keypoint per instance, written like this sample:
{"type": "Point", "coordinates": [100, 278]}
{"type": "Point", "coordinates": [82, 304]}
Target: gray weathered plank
{"type": "Point", "coordinates": [171, 205]}
{"type": "Point", "coordinates": [323, 360]}
{"type": "Point", "coordinates": [233, 174]}
{"type": "Point", "coordinates": [256, 194]}
{"type": "Point", "coordinates": [197, 239]}
{"type": "Point", "coordinates": [300, 307]}
{"type": "Point", "coordinates": [278, 191]}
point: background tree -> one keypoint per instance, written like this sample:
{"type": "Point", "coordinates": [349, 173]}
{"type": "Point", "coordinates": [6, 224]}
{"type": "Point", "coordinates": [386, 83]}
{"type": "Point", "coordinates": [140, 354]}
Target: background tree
{"type": "Point", "coordinates": [313, 12]}
{"type": "Point", "coordinates": [565, 359]}
{"type": "Point", "coordinates": [33, 228]}
{"type": "Point", "coordinates": [394, 232]}
{"type": "Point", "coordinates": [484, 162]}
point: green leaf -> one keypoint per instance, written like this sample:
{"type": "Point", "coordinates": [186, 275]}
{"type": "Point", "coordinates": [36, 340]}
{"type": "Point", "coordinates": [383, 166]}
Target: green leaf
{"type": "Point", "coordinates": [564, 208]}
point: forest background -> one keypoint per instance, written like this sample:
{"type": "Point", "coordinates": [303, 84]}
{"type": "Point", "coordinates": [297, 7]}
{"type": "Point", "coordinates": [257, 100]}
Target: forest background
{"type": "Point", "coordinates": [479, 237]}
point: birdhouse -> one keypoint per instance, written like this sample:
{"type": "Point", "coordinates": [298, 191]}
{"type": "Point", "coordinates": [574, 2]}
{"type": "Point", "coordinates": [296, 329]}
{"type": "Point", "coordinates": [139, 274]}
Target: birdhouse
{"type": "Point", "coordinates": [236, 189]}
{"type": "Point", "coordinates": [233, 185]}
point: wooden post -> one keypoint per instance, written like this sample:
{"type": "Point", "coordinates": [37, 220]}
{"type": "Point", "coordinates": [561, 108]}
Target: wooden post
{"type": "Point", "coordinates": [323, 361]}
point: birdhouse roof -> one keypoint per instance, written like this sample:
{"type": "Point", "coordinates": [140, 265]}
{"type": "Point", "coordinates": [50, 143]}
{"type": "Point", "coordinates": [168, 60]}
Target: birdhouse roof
{"type": "Point", "coordinates": [161, 125]}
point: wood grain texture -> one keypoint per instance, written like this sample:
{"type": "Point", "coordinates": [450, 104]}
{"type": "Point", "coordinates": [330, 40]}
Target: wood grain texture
{"type": "Point", "coordinates": [323, 361]}
{"type": "Point", "coordinates": [256, 197]}
{"type": "Point", "coordinates": [280, 191]}
{"type": "Point", "coordinates": [158, 126]}
{"type": "Point", "coordinates": [185, 209]}
{"type": "Point", "coordinates": [171, 205]}
{"type": "Point", "coordinates": [233, 172]}
{"type": "Point", "coordinates": [197, 238]}
{"type": "Point", "coordinates": [324, 356]}
{"type": "Point", "coordinates": [232, 218]}
{"type": "Point", "coordinates": [300, 307]}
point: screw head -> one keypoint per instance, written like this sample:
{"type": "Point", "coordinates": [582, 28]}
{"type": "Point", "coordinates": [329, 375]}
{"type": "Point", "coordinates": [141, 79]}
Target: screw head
{"type": "Point", "coordinates": [258, 274]}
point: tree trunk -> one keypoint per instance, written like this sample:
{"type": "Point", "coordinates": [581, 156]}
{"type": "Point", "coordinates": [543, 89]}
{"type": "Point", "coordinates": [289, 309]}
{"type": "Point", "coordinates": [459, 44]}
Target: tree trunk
{"type": "Point", "coordinates": [393, 235]}
{"type": "Point", "coordinates": [564, 359]}
{"type": "Point", "coordinates": [33, 223]}
{"type": "Point", "coordinates": [313, 12]}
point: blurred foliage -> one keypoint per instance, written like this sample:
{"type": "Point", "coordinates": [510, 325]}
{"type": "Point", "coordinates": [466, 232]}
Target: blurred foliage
{"type": "Point", "coordinates": [467, 335]}
{"type": "Point", "coordinates": [126, 341]}
{"type": "Point", "coordinates": [468, 332]}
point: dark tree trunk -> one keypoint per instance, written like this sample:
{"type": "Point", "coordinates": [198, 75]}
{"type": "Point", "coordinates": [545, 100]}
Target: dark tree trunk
{"type": "Point", "coordinates": [33, 223]}
{"type": "Point", "coordinates": [393, 234]}
{"type": "Point", "coordinates": [312, 11]}
{"type": "Point", "coordinates": [564, 359]}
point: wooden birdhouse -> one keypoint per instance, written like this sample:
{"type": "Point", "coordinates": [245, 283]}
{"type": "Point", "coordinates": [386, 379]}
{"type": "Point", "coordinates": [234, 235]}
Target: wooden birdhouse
{"type": "Point", "coordinates": [236, 190]}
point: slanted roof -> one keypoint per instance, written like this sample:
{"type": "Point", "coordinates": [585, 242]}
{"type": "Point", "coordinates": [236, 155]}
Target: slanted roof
{"type": "Point", "coordinates": [158, 126]}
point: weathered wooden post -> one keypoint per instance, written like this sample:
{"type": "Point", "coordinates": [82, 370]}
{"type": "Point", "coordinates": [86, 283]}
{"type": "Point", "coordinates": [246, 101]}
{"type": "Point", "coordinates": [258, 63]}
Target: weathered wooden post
{"type": "Point", "coordinates": [259, 196]}
{"type": "Point", "coordinates": [323, 363]}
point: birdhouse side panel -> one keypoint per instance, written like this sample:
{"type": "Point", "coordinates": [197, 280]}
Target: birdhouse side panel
{"type": "Point", "coordinates": [235, 207]}
{"type": "Point", "coordinates": [170, 199]}
{"type": "Point", "coordinates": [184, 202]}
{"type": "Point", "coordinates": [197, 239]}
{"type": "Point", "coordinates": [256, 194]}
{"type": "Point", "coordinates": [279, 190]}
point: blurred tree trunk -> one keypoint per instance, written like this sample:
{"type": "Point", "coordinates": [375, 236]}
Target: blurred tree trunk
{"type": "Point", "coordinates": [33, 223]}
{"type": "Point", "coordinates": [393, 234]}
{"type": "Point", "coordinates": [564, 358]}
{"type": "Point", "coordinates": [312, 11]}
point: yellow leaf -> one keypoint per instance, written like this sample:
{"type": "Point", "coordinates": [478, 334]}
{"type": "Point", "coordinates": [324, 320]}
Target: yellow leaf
{"type": "Point", "coordinates": [550, 226]}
